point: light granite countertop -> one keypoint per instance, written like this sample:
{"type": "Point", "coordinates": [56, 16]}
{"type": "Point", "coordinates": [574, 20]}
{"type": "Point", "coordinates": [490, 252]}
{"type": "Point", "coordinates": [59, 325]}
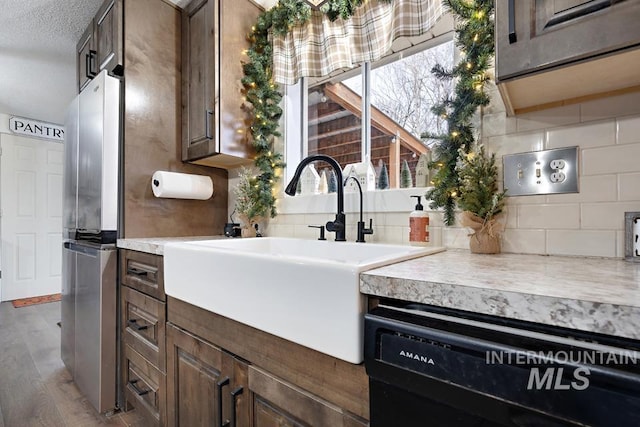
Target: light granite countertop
{"type": "Point", "coordinates": [597, 295]}
{"type": "Point", "coordinates": [155, 245]}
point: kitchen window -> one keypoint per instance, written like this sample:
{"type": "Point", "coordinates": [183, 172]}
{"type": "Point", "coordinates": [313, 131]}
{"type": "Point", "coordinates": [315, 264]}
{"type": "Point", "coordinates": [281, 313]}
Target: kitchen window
{"type": "Point", "coordinates": [393, 95]}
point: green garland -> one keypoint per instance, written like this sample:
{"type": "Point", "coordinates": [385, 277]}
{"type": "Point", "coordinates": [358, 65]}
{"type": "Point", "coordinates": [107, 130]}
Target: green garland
{"type": "Point", "coordinates": [475, 39]}
{"type": "Point", "coordinates": [264, 94]}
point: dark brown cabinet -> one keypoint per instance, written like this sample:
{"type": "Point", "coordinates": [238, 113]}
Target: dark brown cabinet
{"type": "Point", "coordinates": [209, 386]}
{"type": "Point", "coordinates": [109, 46]}
{"type": "Point", "coordinates": [277, 403]}
{"type": "Point", "coordinates": [101, 47]}
{"type": "Point", "coordinates": [199, 57]}
{"type": "Point", "coordinates": [220, 372]}
{"type": "Point", "coordinates": [205, 385]}
{"type": "Point", "coordinates": [185, 366]}
{"type": "Point", "coordinates": [143, 315]}
{"type": "Point", "coordinates": [214, 122]}
{"type": "Point", "coordinates": [573, 48]}
{"type": "Point", "coordinates": [85, 58]}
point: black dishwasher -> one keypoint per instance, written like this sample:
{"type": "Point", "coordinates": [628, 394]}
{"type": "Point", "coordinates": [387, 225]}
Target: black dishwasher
{"type": "Point", "coordinates": [430, 366]}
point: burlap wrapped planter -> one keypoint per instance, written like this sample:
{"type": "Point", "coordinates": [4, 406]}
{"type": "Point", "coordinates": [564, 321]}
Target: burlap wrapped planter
{"type": "Point", "coordinates": [485, 238]}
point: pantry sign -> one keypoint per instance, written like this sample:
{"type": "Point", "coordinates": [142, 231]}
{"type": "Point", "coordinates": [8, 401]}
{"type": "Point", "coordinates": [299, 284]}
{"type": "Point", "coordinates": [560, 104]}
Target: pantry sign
{"type": "Point", "coordinates": [35, 128]}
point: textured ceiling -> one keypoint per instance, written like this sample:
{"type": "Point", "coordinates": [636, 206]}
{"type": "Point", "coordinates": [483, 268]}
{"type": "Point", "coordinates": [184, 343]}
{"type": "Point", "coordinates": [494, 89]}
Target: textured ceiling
{"type": "Point", "coordinates": [37, 54]}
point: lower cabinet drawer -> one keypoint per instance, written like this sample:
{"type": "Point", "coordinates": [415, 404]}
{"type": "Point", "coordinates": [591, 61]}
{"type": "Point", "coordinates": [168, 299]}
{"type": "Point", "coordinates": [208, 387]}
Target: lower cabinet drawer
{"type": "Point", "coordinates": [143, 326]}
{"type": "Point", "coordinates": [143, 271]}
{"type": "Point", "coordinates": [144, 388]}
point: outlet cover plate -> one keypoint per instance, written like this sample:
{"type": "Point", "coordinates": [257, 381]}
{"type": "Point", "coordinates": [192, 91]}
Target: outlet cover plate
{"type": "Point", "coordinates": [526, 174]}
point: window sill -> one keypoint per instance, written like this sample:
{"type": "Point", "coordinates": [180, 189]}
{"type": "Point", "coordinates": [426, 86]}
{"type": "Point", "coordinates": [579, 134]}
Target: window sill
{"type": "Point", "coordinates": [396, 200]}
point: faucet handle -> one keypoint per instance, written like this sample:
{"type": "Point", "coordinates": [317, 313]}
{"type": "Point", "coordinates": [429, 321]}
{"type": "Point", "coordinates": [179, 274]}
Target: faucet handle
{"type": "Point", "coordinates": [370, 229]}
{"type": "Point", "coordinates": [321, 227]}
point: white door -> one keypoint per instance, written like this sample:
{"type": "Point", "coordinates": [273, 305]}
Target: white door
{"type": "Point", "coordinates": [31, 203]}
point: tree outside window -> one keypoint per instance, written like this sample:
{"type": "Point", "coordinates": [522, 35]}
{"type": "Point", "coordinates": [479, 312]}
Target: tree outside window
{"type": "Point", "coordinates": [401, 95]}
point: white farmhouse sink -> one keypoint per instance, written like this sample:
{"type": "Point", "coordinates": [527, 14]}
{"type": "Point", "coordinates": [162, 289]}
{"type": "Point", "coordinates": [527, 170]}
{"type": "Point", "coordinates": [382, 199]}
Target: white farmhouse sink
{"type": "Point", "coordinates": [306, 291]}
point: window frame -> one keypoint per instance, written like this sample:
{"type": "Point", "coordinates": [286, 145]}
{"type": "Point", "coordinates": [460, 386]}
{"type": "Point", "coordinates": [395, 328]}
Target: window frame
{"type": "Point", "coordinates": [297, 127]}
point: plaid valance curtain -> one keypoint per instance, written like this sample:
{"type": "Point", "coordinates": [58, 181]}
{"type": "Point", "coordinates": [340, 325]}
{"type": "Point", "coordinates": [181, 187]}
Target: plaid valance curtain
{"type": "Point", "coordinates": [321, 47]}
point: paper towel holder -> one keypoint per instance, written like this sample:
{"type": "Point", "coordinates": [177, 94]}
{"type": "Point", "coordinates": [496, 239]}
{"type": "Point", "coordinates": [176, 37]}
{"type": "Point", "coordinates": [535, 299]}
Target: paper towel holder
{"type": "Point", "coordinates": [177, 185]}
{"type": "Point", "coordinates": [631, 236]}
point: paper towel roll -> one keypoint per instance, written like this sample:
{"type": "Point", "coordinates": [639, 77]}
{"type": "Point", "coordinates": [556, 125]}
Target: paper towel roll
{"type": "Point", "coordinates": [181, 185]}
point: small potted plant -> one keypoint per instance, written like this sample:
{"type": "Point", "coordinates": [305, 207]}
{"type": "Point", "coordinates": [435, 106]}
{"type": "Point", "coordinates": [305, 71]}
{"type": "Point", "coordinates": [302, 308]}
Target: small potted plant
{"type": "Point", "coordinates": [249, 205]}
{"type": "Point", "coordinates": [480, 200]}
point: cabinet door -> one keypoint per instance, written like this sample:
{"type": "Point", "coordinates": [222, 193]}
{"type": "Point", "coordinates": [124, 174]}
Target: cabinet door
{"type": "Point", "coordinates": [86, 68]}
{"type": "Point", "coordinates": [577, 30]}
{"type": "Point", "coordinates": [195, 386]}
{"type": "Point", "coordinates": [199, 63]}
{"type": "Point", "coordinates": [109, 33]}
{"type": "Point", "coordinates": [277, 403]}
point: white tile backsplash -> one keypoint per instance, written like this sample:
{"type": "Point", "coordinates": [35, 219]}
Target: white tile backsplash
{"type": "Point", "coordinates": [524, 241]}
{"type": "Point", "coordinates": [453, 237]}
{"type": "Point", "coordinates": [497, 124]}
{"type": "Point", "coordinates": [617, 106]}
{"type": "Point", "coordinates": [594, 188]}
{"type": "Point", "coordinates": [549, 216]}
{"type": "Point", "coordinates": [586, 135]}
{"type": "Point", "coordinates": [629, 186]}
{"type": "Point", "coordinates": [615, 159]}
{"type": "Point", "coordinates": [588, 223]}
{"type": "Point", "coordinates": [552, 117]}
{"type": "Point", "coordinates": [581, 242]}
{"type": "Point", "coordinates": [516, 143]}
{"type": "Point", "coordinates": [620, 244]}
{"type": "Point", "coordinates": [606, 216]}
{"type": "Point", "coordinates": [629, 130]}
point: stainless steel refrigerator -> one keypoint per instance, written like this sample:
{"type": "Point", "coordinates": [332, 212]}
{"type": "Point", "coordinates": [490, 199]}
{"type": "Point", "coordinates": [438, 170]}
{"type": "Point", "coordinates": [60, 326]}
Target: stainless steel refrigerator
{"type": "Point", "coordinates": [90, 221]}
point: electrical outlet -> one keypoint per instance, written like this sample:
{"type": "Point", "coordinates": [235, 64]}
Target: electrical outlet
{"type": "Point", "coordinates": [556, 177]}
{"type": "Point", "coordinates": [541, 172]}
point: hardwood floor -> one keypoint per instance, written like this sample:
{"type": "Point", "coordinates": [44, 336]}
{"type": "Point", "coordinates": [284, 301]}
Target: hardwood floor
{"type": "Point", "coordinates": [35, 387]}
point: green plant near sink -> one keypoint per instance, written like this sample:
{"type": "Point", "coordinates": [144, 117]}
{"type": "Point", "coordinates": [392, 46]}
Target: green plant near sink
{"type": "Point", "coordinates": [251, 204]}
{"type": "Point", "coordinates": [480, 199]}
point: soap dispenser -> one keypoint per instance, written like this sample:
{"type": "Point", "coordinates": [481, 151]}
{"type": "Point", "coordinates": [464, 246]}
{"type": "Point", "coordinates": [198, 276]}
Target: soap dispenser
{"type": "Point", "coordinates": [419, 225]}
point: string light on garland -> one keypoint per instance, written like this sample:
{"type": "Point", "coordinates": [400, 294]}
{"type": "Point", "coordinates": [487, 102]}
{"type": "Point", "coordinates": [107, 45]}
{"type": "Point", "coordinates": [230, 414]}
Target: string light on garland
{"type": "Point", "coordinates": [263, 93]}
{"type": "Point", "coordinates": [474, 38]}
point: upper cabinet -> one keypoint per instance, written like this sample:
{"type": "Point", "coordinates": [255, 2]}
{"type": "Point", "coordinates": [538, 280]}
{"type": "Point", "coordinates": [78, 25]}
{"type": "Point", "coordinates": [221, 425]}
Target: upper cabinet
{"type": "Point", "coordinates": [554, 52]}
{"type": "Point", "coordinates": [85, 58]}
{"type": "Point", "coordinates": [101, 45]}
{"type": "Point", "coordinates": [109, 46]}
{"type": "Point", "coordinates": [214, 122]}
